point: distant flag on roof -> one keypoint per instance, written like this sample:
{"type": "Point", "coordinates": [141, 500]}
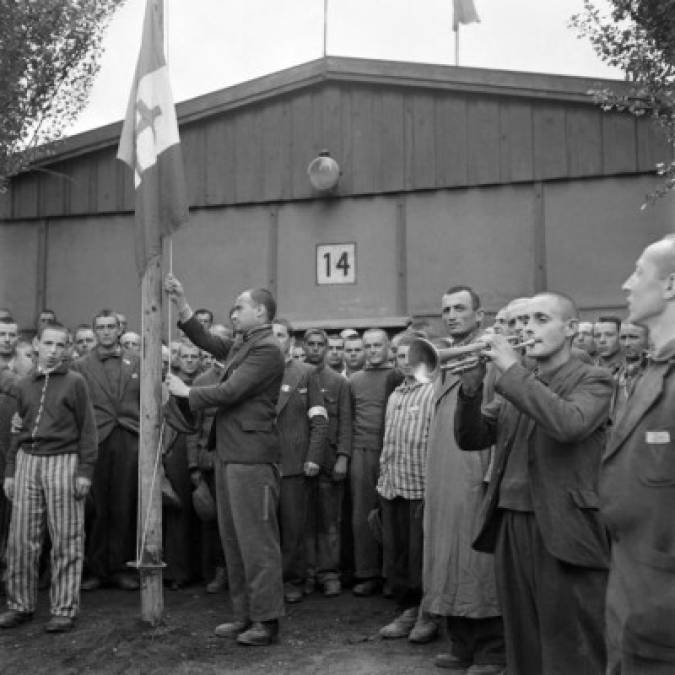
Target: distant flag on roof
{"type": "Point", "coordinates": [463, 11]}
{"type": "Point", "coordinates": [150, 145]}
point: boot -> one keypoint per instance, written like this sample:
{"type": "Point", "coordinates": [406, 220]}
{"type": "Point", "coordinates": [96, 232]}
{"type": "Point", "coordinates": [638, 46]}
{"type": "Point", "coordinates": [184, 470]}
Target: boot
{"type": "Point", "coordinates": [219, 581]}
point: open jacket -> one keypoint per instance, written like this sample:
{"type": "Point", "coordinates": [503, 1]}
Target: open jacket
{"type": "Point", "coordinates": [637, 490]}
{"type": "Point", "coordinates": [116, 403]}
{"type": "Point", "coordinates": [246, 397]}
{"type": "Point", "coordinates": [566, 437]}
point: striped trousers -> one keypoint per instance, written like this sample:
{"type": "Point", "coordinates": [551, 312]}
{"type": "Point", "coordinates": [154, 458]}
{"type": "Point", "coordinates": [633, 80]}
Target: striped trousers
{"type": "Point", "coordinates": [44, 491]}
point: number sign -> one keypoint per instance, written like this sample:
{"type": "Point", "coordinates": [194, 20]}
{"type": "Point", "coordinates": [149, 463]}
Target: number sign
{"type": "Point", "coordinates": [336, 264]}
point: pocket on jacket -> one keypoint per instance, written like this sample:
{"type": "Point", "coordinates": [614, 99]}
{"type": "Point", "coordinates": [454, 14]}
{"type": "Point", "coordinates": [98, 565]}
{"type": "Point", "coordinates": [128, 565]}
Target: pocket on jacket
{"type": "Point", "coordinates": [256, 425]}
{"type": "Point", "coordinates": [656, 467]}
{"type": "Point", "coordinates": [659, 560]}
{"type": "Point", "coordinates": [584, 498]}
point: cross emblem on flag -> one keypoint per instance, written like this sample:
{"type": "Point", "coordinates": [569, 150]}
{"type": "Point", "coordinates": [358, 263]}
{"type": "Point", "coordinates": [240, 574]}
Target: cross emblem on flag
{"type": "Point", "coordinates": [150, 145]}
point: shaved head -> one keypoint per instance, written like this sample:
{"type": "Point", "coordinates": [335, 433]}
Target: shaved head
{"type": "Point", "coordinates": [662, 253]}
{"type": "Point", "coordinates": [565, 305]}
{"type": "Point", "coordinates": [371, 332]}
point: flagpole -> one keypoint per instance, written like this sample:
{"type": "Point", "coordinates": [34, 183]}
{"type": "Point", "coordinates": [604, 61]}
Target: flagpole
{"type": "Point", "coordinates": [325, 26]}
{"type": "Point", "coordinates": [457, 46]}
{"type": "Point", "coordinates": [149, 457]}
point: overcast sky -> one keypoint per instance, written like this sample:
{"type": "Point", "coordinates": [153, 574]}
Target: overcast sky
{"type": "Point", "coordinates": [217, 43]}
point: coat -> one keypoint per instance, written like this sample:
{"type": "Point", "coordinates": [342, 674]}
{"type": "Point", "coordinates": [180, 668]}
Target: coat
{"type": "Point", "coordinates": [115, 404]}
{"type": "Point", "coordinates": [301, 418]}
{"type": "Point", "coordinates": [337, 399]}
{"type": "Point", "coordinates": [637, 493]}
{"type": "Point", "coordinates": [566, 435]}
{"type": "Point", "coordinates": [198, 453]}
{"type": "Point", "coordinates": [246, 397]}
{"type": "Point", "coordinates": [457, 580]}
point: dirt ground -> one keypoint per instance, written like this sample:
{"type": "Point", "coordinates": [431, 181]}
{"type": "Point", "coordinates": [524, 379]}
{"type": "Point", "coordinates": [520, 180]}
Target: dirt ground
{"type": "Point", "coordinates": [327, 636]}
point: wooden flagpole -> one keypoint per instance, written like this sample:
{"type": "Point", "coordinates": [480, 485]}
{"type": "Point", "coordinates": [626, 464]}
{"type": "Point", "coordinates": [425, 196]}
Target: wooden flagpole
{"type": "Point", "coordinates": [457, 46]}
{"type": "Point", "coordinates": [325, 26]}
{"type": "Point", "coordinates": [149, 459]}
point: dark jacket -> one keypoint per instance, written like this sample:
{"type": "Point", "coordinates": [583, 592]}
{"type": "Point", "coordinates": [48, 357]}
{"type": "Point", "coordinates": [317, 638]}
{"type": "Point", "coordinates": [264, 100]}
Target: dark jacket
{"type": "Point", "coordinates": [302, 419]}
{"type": "Point", "coordinates": [115, 403]}
{"type": "Point", "coordinates": [637, 490]}
{"type": "Point", "coordinates": [57, 418]}
{"type": "Point", "coordinates": [246, 397]}
{"type": "Point", "coordinates": [566, 437]}
{"type": "Point", "coordinates": [337, 399]}
{"type": "Point", "coordinates": [198, 452]}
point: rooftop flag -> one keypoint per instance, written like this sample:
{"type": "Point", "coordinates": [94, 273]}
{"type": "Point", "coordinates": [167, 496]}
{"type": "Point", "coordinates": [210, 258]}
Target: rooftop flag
{"type": "Point", "coordinates": [463, 11]}
{"type": "Point", "coordinates": [150, 145]}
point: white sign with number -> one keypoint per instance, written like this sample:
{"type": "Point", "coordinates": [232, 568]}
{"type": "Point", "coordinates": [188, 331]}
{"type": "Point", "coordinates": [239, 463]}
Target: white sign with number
{"type": "Point", "coordinates": [336, 264]}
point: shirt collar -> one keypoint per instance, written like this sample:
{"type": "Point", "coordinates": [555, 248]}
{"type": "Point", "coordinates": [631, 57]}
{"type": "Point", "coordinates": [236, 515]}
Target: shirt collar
{"type": "Point", "coordinates": [382, 366]}
{"type": "Point", "coordinates": [550, 375]}
{"type": "Point", "coordinates": [251, 332]}
{"type": "Point", "coordinates": [38, 372]}
{"type": "Point", "coordinates": [666, 353]}
{"type": "Point", "coordinates": [409, 386]}
{"type": "Point", "coordinates": [115, 353]}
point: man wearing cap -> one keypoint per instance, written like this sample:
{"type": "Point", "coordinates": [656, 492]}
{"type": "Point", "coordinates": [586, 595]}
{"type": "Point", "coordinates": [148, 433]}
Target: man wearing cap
{"type": "Point", "coordinates": [247, 455]}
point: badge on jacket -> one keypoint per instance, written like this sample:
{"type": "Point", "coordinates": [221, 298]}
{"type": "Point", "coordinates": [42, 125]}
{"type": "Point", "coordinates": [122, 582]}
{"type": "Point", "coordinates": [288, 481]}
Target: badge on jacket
{"type": "Point", "coordinates": [657, 437]}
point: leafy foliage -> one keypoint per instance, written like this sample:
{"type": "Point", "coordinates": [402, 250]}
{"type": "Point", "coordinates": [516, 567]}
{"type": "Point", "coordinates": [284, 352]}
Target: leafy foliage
{"type": "Point", "coordinates": [638, 37]}
{"type": "Point", "coordinates": [49, 52]}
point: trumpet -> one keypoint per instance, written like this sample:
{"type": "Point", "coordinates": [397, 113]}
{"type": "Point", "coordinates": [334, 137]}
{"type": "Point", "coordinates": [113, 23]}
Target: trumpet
{"type": "Point", "coordinates": [427, 360]}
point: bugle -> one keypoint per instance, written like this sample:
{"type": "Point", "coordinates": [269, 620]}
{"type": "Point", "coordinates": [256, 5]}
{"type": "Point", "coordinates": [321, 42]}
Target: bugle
{"type": "Point", "coordinates": [427, 360]}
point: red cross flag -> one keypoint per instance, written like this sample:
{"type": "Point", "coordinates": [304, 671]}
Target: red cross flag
{"type": "Point", "coordinates": [150, 145]}
{"type": "Point", "coordinates": [464, 11]}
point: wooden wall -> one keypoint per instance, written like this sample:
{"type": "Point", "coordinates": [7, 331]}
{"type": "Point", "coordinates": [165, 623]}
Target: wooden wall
{"type": "Point", "coordinates": [385, 138]}
{"type": "Point", "coordinates": [580, 237]}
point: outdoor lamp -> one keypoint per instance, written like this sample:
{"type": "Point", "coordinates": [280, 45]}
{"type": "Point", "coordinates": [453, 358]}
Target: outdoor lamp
{"type": "Point", "coordinates": [323, 172]}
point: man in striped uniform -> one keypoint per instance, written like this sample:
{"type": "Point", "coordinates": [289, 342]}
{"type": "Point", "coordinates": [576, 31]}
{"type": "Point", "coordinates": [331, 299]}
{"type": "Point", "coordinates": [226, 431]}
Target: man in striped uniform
{"type": "Point", "coordinates": [401, 489]}
{"type": "Point", "coordinates": [48, 474]}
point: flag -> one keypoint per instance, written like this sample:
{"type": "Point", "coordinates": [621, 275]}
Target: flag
{"type": "Point", "coordinates": [463, 11]}
{"type": "Point", "coordinates": [150, 145]}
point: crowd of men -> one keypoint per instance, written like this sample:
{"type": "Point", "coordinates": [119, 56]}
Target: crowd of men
{"type": "Point", "coordinates": [520, 502]}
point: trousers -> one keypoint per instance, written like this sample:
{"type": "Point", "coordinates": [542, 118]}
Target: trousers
{"type": "Point", "coordinates": [367, 554]}
{"type": "Point", "coordinates": [293, 516]}
{"type": "Point", "coordinates": [112, 532]}
{"type": "Point", "coordinates": [248, 501]}
{"type": "Point", "coordinates": [44, 491]}
{"type": "Point", "coordinates": [323, 526]}
{"type": "Point", "coordinates": [553, 611]}
{"type": "Point", "coordinates": [402, 541]}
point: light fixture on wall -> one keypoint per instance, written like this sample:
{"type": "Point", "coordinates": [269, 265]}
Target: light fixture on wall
{"type": "Point", "coordinates": [323, 172]}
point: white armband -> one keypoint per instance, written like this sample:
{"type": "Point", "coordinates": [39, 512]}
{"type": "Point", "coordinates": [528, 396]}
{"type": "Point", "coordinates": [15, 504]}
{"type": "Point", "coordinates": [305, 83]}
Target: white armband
{"type": "Point", "coordinates": [316, 411]}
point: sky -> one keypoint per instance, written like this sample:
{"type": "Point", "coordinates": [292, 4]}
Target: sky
{"type": "Point", "coordinates": [212, 44]}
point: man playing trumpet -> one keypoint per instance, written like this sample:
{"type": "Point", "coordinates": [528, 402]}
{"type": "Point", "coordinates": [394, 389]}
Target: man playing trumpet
{"type": "Point", "coordinates": [540, 513]}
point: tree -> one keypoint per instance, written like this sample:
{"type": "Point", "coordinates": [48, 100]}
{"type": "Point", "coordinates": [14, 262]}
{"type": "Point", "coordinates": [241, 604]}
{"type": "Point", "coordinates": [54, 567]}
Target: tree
{"type": "Point", "coordinates": [638, 37]}
{"type": "Point", "coordinates": [49, 51]}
